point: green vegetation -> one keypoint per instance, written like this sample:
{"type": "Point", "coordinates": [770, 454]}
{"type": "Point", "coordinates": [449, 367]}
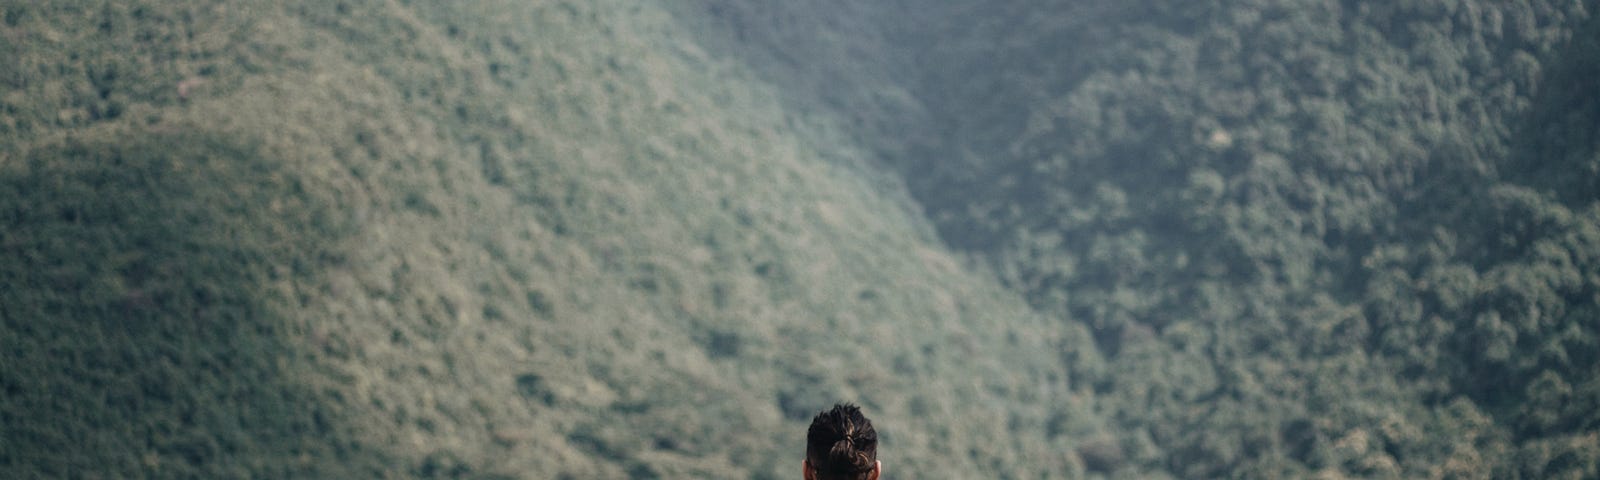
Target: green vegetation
{"type": "Point", "coordinates": [617, 239]}
{"type": "Point", "coordinates": [1336, 238]}
{"type": "Point", "coordinates": [489, 240]}
{"type": "Point", "coordinates": [1309, 238]}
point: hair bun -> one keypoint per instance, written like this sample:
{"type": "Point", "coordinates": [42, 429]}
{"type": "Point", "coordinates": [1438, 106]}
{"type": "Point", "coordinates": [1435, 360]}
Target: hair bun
{"type": "Point", "coordinates": [845, 456]}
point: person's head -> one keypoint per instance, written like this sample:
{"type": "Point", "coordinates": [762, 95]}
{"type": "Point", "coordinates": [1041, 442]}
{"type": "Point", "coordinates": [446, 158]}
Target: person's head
{"type": "Point", "coordinates": [841, 445]}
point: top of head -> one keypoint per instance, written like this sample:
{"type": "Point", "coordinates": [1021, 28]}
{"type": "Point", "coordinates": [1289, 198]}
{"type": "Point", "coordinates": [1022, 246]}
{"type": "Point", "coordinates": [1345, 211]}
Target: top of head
{"type": "Point", "coordinates": [841, 443]}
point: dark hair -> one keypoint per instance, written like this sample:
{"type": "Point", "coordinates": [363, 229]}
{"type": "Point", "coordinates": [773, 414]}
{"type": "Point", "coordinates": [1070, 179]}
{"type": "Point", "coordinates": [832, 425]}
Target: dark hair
{"type": "Point", "coordinates": [841, 444]}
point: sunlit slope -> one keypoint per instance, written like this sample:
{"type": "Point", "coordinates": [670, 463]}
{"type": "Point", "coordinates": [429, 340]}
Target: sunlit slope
{"type": "Point", "coordinates": [499, 240]}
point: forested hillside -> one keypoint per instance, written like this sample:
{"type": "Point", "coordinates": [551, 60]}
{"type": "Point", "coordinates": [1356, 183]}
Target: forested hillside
{"type": "Point", "coordinates": [622, 239]}
{"type": "Point", "coordinates": [1358, 238]}
{"type": "Point", "coordinates": [1310, 238]}
{"type": "Point", "coordinates": [488, 240]}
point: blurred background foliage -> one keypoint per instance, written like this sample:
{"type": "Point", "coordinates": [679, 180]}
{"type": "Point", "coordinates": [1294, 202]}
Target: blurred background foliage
{"type": "Point", "coordinates": [618, 239]}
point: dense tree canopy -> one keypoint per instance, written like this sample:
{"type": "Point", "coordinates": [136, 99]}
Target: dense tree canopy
{"type": "Point", "coordinates": [615, 238]}
{"type": "Point", "coordinates": [1311, 236]}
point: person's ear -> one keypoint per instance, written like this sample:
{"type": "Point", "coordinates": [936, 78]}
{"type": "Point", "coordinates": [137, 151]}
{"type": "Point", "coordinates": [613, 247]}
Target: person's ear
{"type": "Point", "coordinates": [805, 469]}
{"type": "Point", "coordinates": [877, 468]}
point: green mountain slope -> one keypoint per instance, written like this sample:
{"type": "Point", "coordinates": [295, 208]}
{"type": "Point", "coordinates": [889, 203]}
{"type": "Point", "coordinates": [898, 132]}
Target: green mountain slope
{"type": "Point", "coordinates": [491, 240]}
{"type": "Point", "coordinates": [1313, 238]}
{"type": "Point", "coordinates": [1332, 238]}
{"type": "Point", "coordinates": [619, 239]}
